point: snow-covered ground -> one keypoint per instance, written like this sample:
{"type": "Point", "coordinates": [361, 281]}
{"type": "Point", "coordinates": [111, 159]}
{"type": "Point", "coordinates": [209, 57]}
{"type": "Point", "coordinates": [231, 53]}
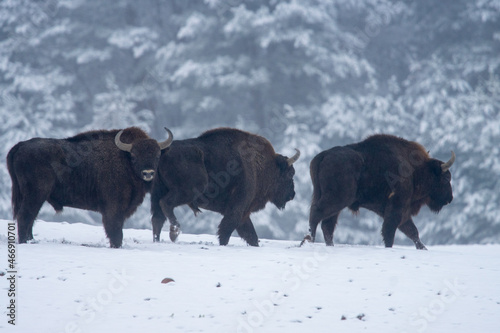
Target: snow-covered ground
{"type": "Point", "coordinates": [70, 281]}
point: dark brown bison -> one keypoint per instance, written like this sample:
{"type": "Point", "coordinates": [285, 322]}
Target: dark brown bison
{"type": "Point", "coordinates": [104, 171]}
{"type": "Point", "coordinates": [388, 175]}
{"type": "Point", "coordinates": [225, 170]}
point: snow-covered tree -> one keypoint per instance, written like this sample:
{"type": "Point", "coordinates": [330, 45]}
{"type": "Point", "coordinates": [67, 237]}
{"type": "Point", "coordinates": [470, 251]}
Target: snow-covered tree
{"type": "Point", "coordinates": [307, 74]}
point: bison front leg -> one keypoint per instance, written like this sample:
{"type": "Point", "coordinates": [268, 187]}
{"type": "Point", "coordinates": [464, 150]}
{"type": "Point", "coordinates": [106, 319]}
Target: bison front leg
{"type": "Point", "coordinates": [157, 216]}
{"type": "Point", "coordinates": [246, 231]}
{"type": "Point", "coordinates": [113, 225]}
{"type": "Point", "coordinates": [157, 220]}
{"type": "Point", "coordinates": [411, 231]}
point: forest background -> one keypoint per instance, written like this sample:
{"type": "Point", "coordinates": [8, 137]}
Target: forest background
{"type": "Point", "coordinates": [306, 74]}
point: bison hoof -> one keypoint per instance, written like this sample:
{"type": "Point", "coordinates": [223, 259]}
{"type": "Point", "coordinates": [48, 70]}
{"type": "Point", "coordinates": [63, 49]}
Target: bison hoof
{"type": "Point", "coordinates": [174, 232]}
{"type": "Point", "coordinates": [253, 243]}
{"type": "Point", "coordinates": [307, 238]}
{"type": "Point", "coordinates": [420, 246]}
{"type": "Point", "coordinates": [26, 239]}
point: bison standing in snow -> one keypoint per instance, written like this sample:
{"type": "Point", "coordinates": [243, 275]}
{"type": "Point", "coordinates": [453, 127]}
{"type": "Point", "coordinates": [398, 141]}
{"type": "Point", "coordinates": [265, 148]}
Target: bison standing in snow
{"type": "Point", "coordinates": [388, 175]}
{"type": "Point", "coordinates": [225, 170]}
{"type": "Point", "coordinates": [104, 171]}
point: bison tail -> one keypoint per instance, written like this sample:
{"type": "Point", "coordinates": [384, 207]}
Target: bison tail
{"type": "Point", "coordinates": [314, 170]}
{"type": "Point", "coordinates": [16, 193]}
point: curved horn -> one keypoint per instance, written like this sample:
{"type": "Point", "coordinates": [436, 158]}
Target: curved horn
{"type": "Point", "coordinates": [446, 166]}
{"type": "Point", "coordinates": [122, 146]}
{"type": "Point", "coordinates": [294, 158]}
{"type": "Point", "coordinates": [165, 144]}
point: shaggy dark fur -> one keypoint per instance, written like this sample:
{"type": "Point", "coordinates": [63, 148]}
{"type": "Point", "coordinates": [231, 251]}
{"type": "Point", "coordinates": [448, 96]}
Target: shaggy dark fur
{"type": "Point", "coordinates": [87, 171]}
{"type": "Point", "coordinates": [228, 171]}
{"type": "Point", "coordinates": [388, 175]}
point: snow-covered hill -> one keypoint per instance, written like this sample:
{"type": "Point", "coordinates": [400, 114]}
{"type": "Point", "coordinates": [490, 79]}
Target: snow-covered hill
{"type": "Point", "coordinates": [70, 281]}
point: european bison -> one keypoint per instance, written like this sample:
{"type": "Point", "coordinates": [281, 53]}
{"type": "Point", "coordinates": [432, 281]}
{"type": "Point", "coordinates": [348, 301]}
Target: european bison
{"type": "Point", "coordinates": [105, 171]}
{"type": "Point", "coordinates": [224, 170]}
{"type": "Point", "coordinates": [388, 175]}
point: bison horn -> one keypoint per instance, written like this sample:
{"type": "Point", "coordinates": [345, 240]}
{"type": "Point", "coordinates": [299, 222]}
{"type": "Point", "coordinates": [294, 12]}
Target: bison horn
{"type": "Point", "coordinates": [446, 166]}
{"type": "Point", "coordinates": [165, 144]}
{"type": "Point", "coordinates": [122, 146]}
{"type": "Point", "coordinates": [294, 158]}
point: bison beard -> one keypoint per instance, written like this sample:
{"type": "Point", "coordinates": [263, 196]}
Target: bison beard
{"type": "Point", "coordinates": [388, 175]}
{"type": "Point", "coordinates": [224, 170]}
{"type": "Point", "coordinates": [94, 170]}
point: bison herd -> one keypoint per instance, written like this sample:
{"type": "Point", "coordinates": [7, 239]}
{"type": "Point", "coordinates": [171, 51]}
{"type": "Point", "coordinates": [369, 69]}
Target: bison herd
{"type": "Point", "coordinates": [229, 171]}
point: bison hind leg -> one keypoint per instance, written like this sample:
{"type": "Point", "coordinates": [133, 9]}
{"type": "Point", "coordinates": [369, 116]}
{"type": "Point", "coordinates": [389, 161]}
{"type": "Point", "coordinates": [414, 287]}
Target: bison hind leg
{"type": "Point", "coordinates": [175, 227]}
{"type": "Point", "coordinates": [28, 211]}
{"type": "Point", "coordinates": [327, 212]}
{"type": "Point", "coordinates": [315, 217]}
{"type": "Point", "coordinates": [164, 209]}
{"type": "Point", "coordinates": [228, 224]}
{"type": "Point", "coordinates": [328, 227]}
{"type": "Point", "coordinates": [307, 238]}
{"type": "Point", "coordinates": [25, 221]}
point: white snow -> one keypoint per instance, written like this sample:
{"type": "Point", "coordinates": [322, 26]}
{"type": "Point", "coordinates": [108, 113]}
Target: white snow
{"type": "Point", "coordinates": [70, 281]}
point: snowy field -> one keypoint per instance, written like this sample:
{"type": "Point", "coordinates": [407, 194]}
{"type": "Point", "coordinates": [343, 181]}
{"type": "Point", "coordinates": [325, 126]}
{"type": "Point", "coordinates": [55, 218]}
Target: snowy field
{"type": "Point", "coordinates": [70, 281]}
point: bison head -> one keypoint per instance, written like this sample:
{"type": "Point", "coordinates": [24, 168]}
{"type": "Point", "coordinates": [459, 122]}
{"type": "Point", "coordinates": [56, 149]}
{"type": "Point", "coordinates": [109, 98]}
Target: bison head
{"type": "Point", "coordinates": [441, 193]}
{"type": "Point", "coordinates": [284, 190]}
{"type": "Point", "coordinates": [144, 154]}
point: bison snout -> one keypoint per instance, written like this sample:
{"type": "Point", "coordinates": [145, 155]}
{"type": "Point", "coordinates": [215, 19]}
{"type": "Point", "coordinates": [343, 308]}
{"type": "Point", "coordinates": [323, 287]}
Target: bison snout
{"type": "Point", "coordinates": [148, 175]}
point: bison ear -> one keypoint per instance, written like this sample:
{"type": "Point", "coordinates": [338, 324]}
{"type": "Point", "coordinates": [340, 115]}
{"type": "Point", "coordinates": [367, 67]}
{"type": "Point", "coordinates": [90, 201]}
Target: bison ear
{"type": "Point", "coordinates": [282, 162]}
{"type": "Point", "coordinates": [164, 151]}
{"type": "Point", "coordinates": [435, 167]}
